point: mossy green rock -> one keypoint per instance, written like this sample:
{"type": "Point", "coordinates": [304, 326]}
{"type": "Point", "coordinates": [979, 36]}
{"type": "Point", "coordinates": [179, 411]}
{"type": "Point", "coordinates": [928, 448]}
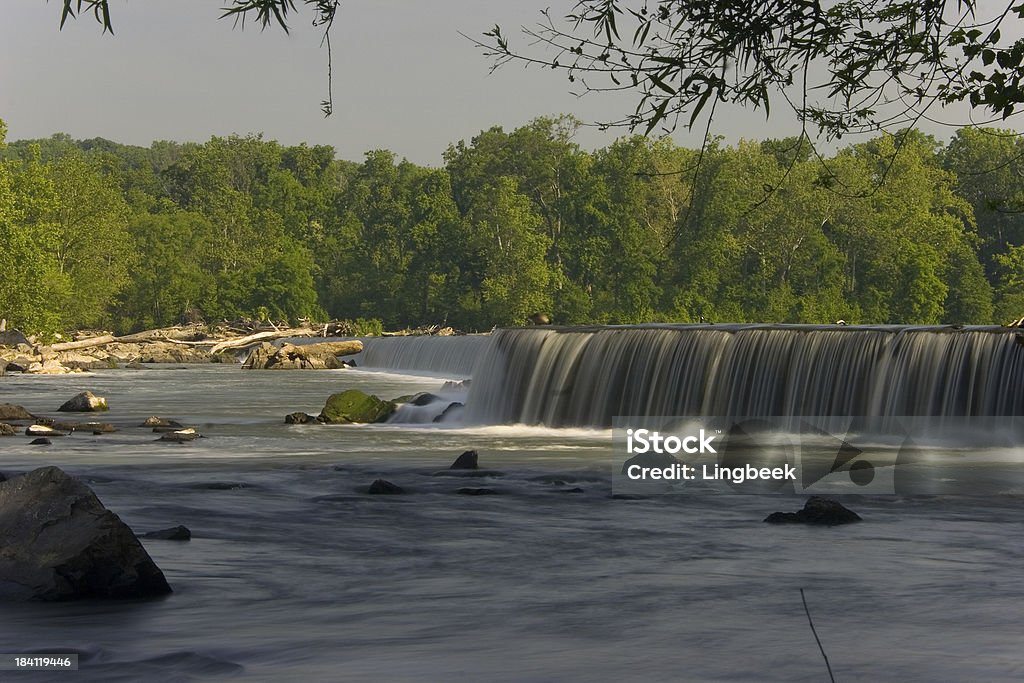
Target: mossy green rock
{"type": "Point", "coordinates": [355, 406]}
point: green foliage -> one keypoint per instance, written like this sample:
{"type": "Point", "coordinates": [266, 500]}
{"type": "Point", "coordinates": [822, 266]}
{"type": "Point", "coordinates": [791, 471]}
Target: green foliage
{"type": "Point", "coordinates": [364, 327]}
{"type": "Point", "coordinates": [93, 233]}
{"type": "Point", "coordinates": [843, 67]}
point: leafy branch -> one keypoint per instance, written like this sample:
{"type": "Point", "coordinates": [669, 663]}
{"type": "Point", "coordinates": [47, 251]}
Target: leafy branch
{"type": "Point", "coordinates": [266, 13]}
{"type": "Point", "coordinates": [847, 67]}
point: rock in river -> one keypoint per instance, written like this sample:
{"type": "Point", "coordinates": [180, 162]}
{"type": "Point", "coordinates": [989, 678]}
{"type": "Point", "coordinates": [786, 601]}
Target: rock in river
{"type": "Point", "coordinates": [354, 406]}
{"type": "Point", "coordinates": [180, 436]}
{"type": "Point", "coordinates": [157, 421]}
{"type": "Point", "coordinates": [9, 411]}
{"type": "Point", "coordinates": [817, 511]}
{"type": "Point", "coordinates": [42, 430]}
{"type": "Point", "coordinates": [85, 402]}
{"type": "Point", "coordinates": [299, 418]}
{"type": "Point", "coordinates": [385, 487]}
{"type": "Point", "coordinates": [466, 461]}
{"type": "Point", "coordinates": [58, 542]}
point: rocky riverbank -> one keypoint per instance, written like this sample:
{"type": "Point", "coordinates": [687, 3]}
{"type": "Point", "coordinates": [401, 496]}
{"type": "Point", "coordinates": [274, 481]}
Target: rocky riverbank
{"type": "Point", "coordinates": [186, 344]}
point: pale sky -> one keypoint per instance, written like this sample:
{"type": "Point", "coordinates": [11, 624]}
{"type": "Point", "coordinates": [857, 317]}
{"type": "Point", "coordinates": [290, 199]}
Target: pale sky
{"type": "Point", "coordinates": [404, 79]}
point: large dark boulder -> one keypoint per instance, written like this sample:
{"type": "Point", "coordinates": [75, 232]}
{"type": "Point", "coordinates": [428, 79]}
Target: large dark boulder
{"type": "Point", "coordinates": [58, 542]}
{"type": "Point", "coordinates": [354, 406]}
{"type": "Point", "coordinates": [467, 461]}
{"type": "Point", "coordinates": [817, 511]}
{"type": "Point", "coordinates": [12, 338]}
{"type": "Point", "coordinates": [9, 411]}
{"type": "Point", "coordinates": [85, 402]}
{"type": "Point", "coordinates": [384, 487]}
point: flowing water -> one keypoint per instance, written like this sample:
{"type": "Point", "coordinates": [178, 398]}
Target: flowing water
{"type": "Point", "coordinates": [294, 573]}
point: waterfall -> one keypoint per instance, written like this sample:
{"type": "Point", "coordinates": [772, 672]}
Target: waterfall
{"type": "Point", "coordinates": [454, 356]}
{"type": "Point", "coordinates": [586, 376]}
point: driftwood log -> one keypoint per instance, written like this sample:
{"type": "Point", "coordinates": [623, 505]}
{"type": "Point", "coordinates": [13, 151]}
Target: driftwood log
{"type": "Point", "coordinates": [184, 336]}
{"type": "Point", "coordinates": [248, 340]}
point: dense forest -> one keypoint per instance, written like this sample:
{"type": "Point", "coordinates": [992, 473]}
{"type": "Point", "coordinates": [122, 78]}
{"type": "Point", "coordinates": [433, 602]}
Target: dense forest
{"type": "Point", "coordinates": [897, 229]}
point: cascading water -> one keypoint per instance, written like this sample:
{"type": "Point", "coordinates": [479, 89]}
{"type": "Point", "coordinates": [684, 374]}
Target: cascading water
{"type": "Point", "coordinates": [442, 355]}
{"type": "Point", "coordinates": [585, 377]}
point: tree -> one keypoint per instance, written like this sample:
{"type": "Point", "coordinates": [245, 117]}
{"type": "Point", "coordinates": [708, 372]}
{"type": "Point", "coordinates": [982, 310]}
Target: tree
{"type": "Point", "coordinates": [170, 281]}
{"type": "Point", "coordinates": [988, 165]}
{"type": "Point", "coordinates": [32, 288]}
{"type": "Point", "coordinates": [517, 278]}
{"type": "Point", "coordinates": [88, 226]}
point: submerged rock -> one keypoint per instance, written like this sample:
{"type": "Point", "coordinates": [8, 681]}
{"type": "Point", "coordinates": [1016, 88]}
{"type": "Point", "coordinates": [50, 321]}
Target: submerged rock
{"type": "Point", "coordinates": [157, 421]}
{"type": "Point", "coordinates": [58, 542]}
{"type": "Point", "coordinates": [452, 412]}
{"type": "Point", "coordinates": [385, 487]}
{"type": "Point", "coordinates": [180, 436]}
{"type": "Point", "coordinates": [94, 427]}
{"type": "Point", "coordinates": [818, 511]}
{"type": "Point", "coordinates": [85, 402]}
{"type": "Point", "coordinates": [466, 461]}
{"type": "Point", "coordinates": [42, 430]}
{"type": "Point", "coordinates": [177, 533]}
{"type": "Point", "coordinates": [299, 418]}
{"type": "Point", "coordinates": [468, 491]}
{"type": "Point", "coordinates": [41, 441]}
{"type": "Point", "coordinates": [354, 406]}
{"type": "Point", "coordinates": [9, 411]}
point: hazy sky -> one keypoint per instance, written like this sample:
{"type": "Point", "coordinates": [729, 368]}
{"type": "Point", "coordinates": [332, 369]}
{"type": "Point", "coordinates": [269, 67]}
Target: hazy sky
{"type": "Point", "coordinates": [404, 79]}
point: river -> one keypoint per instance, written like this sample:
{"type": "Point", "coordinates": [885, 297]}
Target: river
{"type": "Point", "coordinates": [294, 573]}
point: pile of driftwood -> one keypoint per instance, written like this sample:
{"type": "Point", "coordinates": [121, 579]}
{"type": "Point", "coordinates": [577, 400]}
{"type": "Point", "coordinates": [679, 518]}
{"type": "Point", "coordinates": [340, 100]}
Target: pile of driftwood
{"type": "Point", "coordinates": [191, 335]}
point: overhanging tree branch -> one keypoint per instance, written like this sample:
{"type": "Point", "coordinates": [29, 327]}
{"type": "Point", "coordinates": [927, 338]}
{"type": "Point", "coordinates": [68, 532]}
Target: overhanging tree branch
{"type": "Point", "coordinates": [876, 64]}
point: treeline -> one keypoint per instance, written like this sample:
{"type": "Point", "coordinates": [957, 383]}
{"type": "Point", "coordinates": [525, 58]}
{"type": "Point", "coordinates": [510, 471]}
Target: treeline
{"type": "Point", "coordinates": [894, 230]}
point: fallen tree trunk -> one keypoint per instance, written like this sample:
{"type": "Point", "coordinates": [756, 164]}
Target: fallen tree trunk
{"type": "Point", "coordinates": [175, 335]}
{"type": "Point", "coordinates": [248, 340]}
{"type": "Point", "coordinates": [101, 340]}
